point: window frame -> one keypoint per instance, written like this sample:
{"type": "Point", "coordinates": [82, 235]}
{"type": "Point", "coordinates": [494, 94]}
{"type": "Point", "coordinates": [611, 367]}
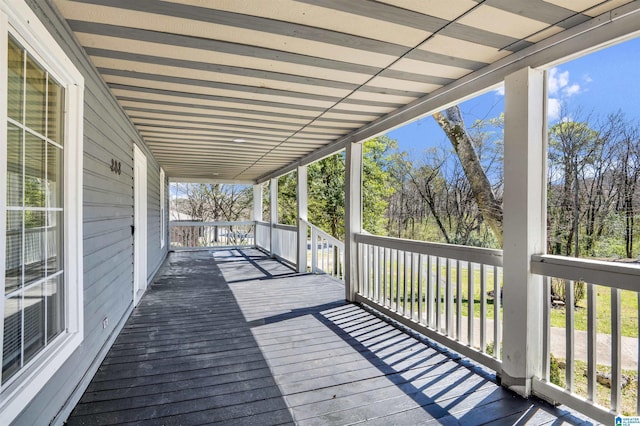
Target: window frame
{"type": "Point", "coordinates": [17, 19]}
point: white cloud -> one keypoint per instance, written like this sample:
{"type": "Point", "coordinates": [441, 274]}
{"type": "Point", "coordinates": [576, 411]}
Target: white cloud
{"type": "Point", "coordinates": [574, 89]}
{"type": "Point", "coordinates": [557, 80]}
{"type": "Point", "coordinates": [553, 109]}
{"type": "Point", "coordinates": [500, 91]}
{"type": "Point", "coordinates": [560, 89]}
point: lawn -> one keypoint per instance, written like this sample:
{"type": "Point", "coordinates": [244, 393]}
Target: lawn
{"type": "Point", "coordinates": [629, 313]}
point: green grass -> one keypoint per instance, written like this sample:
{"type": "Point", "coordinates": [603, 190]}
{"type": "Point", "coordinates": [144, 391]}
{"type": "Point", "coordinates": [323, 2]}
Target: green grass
{"type": "Point", "coordinates": [629, 313]}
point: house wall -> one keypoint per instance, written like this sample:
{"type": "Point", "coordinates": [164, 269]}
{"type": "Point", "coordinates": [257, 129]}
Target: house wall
{"type": "Point", "coordinates": [107, 236]}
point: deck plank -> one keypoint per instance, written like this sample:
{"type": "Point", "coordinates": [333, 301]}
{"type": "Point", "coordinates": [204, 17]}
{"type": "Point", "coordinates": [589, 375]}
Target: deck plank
{"type": "Point", "coordinates": [234, 337]}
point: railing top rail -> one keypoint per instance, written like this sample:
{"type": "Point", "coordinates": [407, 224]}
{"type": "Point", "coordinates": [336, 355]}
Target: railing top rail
{"type": "Point", "coordinates": [220, 223]}
{"type": "Point", "coordinates": [327, 236]}
{"type": "Point", "coordinates": [284, 227]}
{"type": "Point", "coordinates": [470, 254]}
{"type": "Point", "coordinates": [610, 274]}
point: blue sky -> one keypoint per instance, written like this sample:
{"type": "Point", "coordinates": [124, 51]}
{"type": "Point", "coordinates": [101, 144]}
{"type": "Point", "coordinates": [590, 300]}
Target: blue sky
{"type": "Point", "coordinates": [600, 83]}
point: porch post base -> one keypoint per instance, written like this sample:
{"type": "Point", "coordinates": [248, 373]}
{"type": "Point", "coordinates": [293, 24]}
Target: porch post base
{"type": "Point", "coordinates": [520, 385]}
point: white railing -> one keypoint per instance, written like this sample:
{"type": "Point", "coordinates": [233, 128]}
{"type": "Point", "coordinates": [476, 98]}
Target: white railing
{"type": "Point", "coordinates": [426, 286]}
{"type": "Point", "coordinates": [285, 242]}
{"type": "Point", "coordinates": [198, 235]}
{"type": "Point", "coordinates": [603, 284]}
{"type": "Point", "coordinates": [263, 235]}
{"type": "Point", "coordinates": [327, 254]}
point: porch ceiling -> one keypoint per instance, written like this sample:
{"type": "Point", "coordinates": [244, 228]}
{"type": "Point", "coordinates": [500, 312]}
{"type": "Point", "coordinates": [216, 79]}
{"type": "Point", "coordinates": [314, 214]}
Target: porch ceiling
{"type": "Point", "coordinates": [289, 77]}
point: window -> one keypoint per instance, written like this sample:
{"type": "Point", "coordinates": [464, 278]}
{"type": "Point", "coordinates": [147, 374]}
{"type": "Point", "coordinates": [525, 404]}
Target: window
{"type": "Point", "coordinates": [34, 275]}
{"type": "Point", "coordinates": [40, 208]}
{"type": "Point", "coordinates": [162, 215]}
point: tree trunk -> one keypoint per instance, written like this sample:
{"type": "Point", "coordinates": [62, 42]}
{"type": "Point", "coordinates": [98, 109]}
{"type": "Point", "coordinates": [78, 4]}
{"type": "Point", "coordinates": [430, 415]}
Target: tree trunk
{"type": "Point", "coordinates": [491, 209]}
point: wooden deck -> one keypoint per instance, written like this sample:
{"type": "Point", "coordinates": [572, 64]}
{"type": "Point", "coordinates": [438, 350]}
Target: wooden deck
{"type": "Point", "coordinates": [234, 337]}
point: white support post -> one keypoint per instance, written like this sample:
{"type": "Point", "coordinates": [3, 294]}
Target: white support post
{"type": "Point", "coordinates": [273, 216]}
{"type": "Point", "coordinates": [352, 217]}
{"type": "Point", "coordinates": [524, 228]}
{"type": "Point", "coordinates": [257, 202]}
{"type": "Point", "coordinates": [301, 192]}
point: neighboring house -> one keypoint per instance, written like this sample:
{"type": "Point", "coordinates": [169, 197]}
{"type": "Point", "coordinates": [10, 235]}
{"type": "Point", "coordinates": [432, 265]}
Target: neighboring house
{"type": "Point", "coordinates": [73, 184]}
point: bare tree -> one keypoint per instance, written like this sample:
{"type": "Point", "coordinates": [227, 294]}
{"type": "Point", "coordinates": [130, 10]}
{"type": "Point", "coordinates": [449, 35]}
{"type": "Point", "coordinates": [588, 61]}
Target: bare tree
{"type": "Point", "coordinates": [453, 126]}
{"type": "Point", "coordinates": [211, 202]}
{"type": "Point", "coordinates": [627, 175]}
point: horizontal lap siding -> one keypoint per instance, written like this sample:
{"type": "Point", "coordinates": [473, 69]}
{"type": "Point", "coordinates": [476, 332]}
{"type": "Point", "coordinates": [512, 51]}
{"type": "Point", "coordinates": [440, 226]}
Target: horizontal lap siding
{"type": "Point", "coordinates": [107, 220]}
{"type": "Point", "coordinates": [154, 252]}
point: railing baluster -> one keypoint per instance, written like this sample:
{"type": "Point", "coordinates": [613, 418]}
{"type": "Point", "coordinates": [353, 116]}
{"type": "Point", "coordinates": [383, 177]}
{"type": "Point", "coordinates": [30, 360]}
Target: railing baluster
{"type": "Point", "coordinates": [367, 272]}
{"type": "Point", "coordinates": [406, 280]}
{"type": "Point", "coordinates": [321, 254]}
{"type": "Point", "coordinates": [616, 353]}
{"type": "Point", "coordinates": [376, 276]}
{"type": "Point", "coordinates": [397, 280]}
{"type": "Point", "coordinates": [449, 298]}
{"type": "Point", "coordinates": [365, 269]}
{"type": "Point", "coordinates": [483, 308]}
{"type": "Point", "coordinates": [569, 323]}
{"type": "Point", "coordinates": [374, 272]}
{"type": "Point", "coordinates": [328, 256]}
{"type": "Point", "coordinates": [389, 271]}
{"type": "Point", "coordinates": [429, 291]}
{"type": "Point", "coordinates": [325, 254]}
{"type": "Point", "coordinates": [385, 282]}
{"type": "Point", "coordinates": [371, 273]}
{"type": "Point", "coordinates": [497, 322]}
{"type": "Point", "coordinates": [591, 343]}
{"type": "Point", "coordinates": [458, 300]}
{"type": "Point", "coordinates": [420, 291]}
{"type": "Point", "coordinates": [380, 275]}
{"type": "Point", "coordinates": [411, 280]}
{"type": "Point", "coordinates": [470, 304]}
{"type": "Point", "coordinates": [314, 250]}
{"type": "Point", "coordinates": [438, 293]}
{"type": "Point", "coordinates": [360, 267]}
{"type": "Point", "coordinates": [323, 268]}
{"type": "Point", "coordinates": [546, 327]}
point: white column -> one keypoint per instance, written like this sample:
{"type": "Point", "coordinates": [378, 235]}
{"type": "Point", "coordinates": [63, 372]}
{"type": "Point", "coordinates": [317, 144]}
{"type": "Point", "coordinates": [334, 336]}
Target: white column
{"type": "Point", "coordinates": [273, 216]}
{"type": "Point", "coordinates": [257, 202]}
{"type": "Point", "coordinates": [301, 193]}
{"type": "Point", "coordinates": [524, 232]}
{"type": "Point", "coordinates": [352, 217]}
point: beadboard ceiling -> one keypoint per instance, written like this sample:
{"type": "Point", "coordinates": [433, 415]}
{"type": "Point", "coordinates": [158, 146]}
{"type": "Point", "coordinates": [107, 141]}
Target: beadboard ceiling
{"type": "Point", "coordinates": [234, 90]}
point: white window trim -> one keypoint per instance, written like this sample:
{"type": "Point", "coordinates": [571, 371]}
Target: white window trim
{"type": "Point", "coordinates": [162, 209]}
{"type": "Point", "coordinates": [17, 18]}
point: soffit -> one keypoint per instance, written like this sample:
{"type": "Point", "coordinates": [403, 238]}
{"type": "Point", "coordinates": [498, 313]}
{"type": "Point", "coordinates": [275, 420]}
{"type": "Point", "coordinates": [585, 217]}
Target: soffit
{"type": "Point", "coordinates": [290, 77]}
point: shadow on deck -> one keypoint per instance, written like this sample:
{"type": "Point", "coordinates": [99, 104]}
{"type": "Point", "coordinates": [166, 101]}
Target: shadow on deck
{"type": "Point", "coordinates": [235, 337]}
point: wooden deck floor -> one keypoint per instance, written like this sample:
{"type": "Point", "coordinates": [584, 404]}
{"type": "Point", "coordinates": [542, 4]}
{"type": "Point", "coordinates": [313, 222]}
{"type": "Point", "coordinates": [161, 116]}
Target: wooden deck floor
{"type": "Point", "coordinates": [236, 338]}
